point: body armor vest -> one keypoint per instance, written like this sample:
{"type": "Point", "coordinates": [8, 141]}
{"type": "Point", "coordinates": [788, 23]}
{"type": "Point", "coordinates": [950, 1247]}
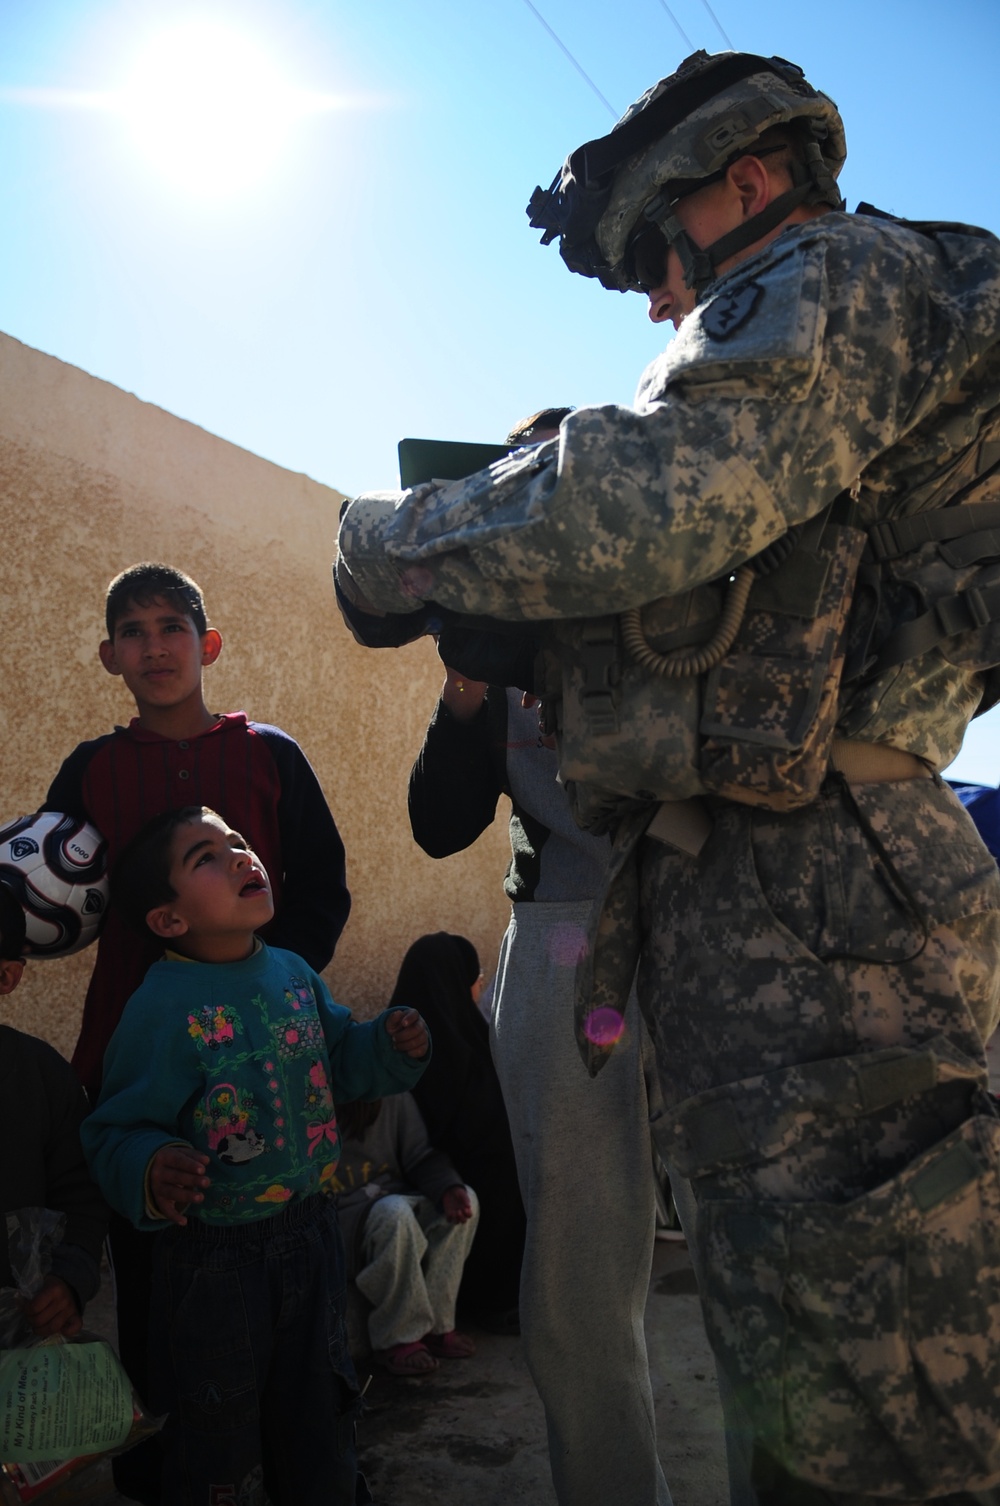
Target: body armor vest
{"type": "Point", "coordinates": [756, 725]}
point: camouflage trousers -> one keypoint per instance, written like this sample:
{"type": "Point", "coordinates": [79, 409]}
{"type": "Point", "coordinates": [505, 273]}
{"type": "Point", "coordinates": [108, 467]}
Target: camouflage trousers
{"type": "Point", "coordinates": [819, 987]}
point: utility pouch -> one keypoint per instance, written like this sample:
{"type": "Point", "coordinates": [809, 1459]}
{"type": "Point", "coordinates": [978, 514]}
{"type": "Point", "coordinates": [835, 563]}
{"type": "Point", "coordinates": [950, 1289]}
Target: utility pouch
{"type": "Point", "coordinates": [756, 727]}
{"type": "Point", "coordinates": [624, 734]}
{"type": "Point", "coordinates": [770, 707]}
{"type": "Point", "coordinates": [864, 1338]}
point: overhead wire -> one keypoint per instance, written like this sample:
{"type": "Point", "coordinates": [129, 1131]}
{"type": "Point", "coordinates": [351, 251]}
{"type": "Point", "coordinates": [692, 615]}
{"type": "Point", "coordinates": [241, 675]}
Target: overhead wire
{"type": "Point", "coordinates": [684, 36]}
{"type": "Point", "coordinates": [562, 45]}
{"type": "Point", "coordinates": [719, 24]}
{"type": "Point", "coordinates": [586, 76]}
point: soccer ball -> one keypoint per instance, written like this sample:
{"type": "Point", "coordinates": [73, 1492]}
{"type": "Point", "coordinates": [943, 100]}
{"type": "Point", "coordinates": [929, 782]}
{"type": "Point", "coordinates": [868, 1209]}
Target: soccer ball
{"type": "Point", "coordinates": [57, 869]}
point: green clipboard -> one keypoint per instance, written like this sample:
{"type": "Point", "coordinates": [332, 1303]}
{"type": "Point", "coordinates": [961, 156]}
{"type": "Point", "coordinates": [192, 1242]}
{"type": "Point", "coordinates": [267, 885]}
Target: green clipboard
{"type": "Point", "coordinates": [444, 459]}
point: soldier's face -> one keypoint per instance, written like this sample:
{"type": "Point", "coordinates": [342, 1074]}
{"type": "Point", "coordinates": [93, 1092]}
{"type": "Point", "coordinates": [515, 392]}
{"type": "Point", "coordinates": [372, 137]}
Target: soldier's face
{"type": "Point", "coordinates": [706, 214]}
{"type": "Point", "coordinates": [710, 213]}
{"type": "Point", "coordinates": [671, 299]}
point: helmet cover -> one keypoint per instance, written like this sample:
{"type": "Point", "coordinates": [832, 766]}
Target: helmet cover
{"type": "Point", "coordinates": [687, 128]}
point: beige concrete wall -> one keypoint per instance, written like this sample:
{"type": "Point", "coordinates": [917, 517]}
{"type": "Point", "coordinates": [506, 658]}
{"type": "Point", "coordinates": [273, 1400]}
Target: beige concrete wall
{"type": "Point", "coordinates": [92, 480]}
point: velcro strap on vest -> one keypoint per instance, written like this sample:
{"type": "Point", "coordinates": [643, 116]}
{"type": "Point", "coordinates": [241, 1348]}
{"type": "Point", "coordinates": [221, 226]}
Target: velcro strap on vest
{"type": "Point", "coordinates": [600, 656]}
{"type": "Point", "coordinates": [972, 549]}
{"type": "Point", "coordinates": [897, 536]}
{"type": "Point", "coordinates": [760, 1117]}
{"type": "Point", "coordinates": [962, 613]}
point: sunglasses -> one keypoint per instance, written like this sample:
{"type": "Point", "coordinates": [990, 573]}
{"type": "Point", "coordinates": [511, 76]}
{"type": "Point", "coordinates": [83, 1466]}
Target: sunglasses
{"type": "Point", "coordinates": [645, 261]}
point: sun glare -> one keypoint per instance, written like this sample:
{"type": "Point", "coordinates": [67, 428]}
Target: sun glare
{"type": "Point", "coordinates": [211, 109]}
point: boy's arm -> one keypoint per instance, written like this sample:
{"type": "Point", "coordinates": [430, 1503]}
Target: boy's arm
{"type": "Point", "coordinates": [363, 1061]}
{"type": "Point", "coordinates": [315, 901]}
{"type": "Point", "coordinates": [145, 1084]}
{"type": "Point", "coordinates": [65, 793]}
{"type": "Point", "coordinates": [428, 1170]}
{"type": "Point", "coordinates": [454, 783]}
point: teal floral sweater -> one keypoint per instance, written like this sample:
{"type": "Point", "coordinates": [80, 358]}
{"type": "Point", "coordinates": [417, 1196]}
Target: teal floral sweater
{"type": "Point", "coordinates": [242, 1061]}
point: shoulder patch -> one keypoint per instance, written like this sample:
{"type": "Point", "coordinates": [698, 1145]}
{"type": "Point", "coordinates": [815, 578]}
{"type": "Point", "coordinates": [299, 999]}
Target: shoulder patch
{"type": "Point", "coordinates": [730, 311]}
{"type": "Point", "coordinates": [758, 336]}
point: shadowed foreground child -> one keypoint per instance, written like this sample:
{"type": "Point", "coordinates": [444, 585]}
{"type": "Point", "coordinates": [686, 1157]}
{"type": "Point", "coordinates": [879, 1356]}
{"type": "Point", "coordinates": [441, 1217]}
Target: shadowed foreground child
{"type": "Point", "coordinates": [42, 1163]}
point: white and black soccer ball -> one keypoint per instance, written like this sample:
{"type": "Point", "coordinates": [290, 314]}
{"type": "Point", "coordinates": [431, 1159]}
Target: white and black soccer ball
{"type": "Point", "coordinates": [57, 868]}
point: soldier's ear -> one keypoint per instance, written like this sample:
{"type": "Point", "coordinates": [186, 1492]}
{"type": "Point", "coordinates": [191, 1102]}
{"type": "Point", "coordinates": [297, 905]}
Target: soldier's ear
{"type": "Point", "coordinates": [749, 177]}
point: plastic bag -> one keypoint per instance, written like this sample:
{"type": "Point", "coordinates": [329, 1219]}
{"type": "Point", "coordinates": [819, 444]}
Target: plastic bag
{"type": "Point", "coordinates": [65, 1404]}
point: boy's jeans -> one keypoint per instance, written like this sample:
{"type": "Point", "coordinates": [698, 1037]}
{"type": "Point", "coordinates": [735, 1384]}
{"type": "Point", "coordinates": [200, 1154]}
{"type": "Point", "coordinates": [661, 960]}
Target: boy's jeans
{"type": "Point", "coordinates": [250, 1358]}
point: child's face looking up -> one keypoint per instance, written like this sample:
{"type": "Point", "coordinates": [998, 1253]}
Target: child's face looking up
{"type": "Point", "coordinates": [222, 893]}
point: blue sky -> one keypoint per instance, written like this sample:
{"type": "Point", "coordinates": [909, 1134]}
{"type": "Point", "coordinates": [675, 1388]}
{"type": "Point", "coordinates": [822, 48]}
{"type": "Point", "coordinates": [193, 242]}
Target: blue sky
{"type": "Point", "coordinates": [301, 224]}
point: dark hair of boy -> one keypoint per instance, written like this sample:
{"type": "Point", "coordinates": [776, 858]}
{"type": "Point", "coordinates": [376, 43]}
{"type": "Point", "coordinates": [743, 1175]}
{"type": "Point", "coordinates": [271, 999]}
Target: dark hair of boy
{"type": "Point", "coordinates": [12, 925]}
{"type": "Point", "coordinates": [140, 879]}
{"type": "Point", "coordinates": [142, 585]}
{"type": "Point", "coordinates": [546, 418]}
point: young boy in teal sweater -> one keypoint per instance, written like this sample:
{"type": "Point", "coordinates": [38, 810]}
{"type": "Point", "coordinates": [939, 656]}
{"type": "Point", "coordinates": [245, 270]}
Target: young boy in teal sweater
{"type": "Point", "coordinates": [216, 1125]}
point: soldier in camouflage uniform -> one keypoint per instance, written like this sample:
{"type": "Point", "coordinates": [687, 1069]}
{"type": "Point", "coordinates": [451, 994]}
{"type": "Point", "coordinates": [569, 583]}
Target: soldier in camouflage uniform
{"type": "Point", "coordinates": [816, 920]}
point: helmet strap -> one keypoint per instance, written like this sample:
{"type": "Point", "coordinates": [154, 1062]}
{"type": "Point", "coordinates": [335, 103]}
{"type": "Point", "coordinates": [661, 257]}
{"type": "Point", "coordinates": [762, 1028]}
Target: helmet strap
{"type": "Point", "coordinates": [753, 229]}
{"type": "Point", "coordinates": [699, 264]}
{"type": "Point", "coordinates": [813, 182]}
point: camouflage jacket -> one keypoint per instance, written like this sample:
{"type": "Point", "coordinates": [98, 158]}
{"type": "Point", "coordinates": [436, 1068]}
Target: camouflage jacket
{"type": "Point", "coordinates": [851, 346]}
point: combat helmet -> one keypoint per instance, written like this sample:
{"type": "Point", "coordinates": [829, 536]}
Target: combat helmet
{"type": "Point", "coordinates": [680, 135]}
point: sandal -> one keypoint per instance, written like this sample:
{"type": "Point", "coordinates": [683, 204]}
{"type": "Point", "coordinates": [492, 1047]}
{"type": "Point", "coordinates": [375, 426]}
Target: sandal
{"type": "Point", "coordinates": [412, 1360]}
{"type": "Point", "coordinates": [449, 1346]}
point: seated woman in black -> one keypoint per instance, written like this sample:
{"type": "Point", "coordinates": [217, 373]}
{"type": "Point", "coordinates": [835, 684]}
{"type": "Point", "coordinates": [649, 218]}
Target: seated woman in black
{"type": "Point", "coordinates": [460, 1099]}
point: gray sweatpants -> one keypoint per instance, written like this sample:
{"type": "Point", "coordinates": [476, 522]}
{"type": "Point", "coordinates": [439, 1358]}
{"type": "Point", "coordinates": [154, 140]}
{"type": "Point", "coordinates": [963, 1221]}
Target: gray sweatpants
{"type": "Point", "coordinates": [412, 1267]}
{"type": "Point", "coordinates": [585, 1169]}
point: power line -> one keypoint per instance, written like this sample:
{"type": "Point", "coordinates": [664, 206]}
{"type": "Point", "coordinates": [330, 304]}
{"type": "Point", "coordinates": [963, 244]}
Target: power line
{"type": "Point", "coordinates": [684, 36]}
{"type": "Point", "coordinates": [718, 23]}
{"type": "Point", "coordinates": [606, 103]}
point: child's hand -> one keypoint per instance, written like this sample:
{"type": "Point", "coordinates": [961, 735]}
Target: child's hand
{"type": "Point", "coordinates": [462, 696]}
{"type": "Point", "coordinates": [175, 1175]}
{"type": "Point", "coordinates": [456, 1205]}
{"type": "Point", "coordinates": [53, 1310]}
{"type": "Point", "coordinates": [408, 1032]}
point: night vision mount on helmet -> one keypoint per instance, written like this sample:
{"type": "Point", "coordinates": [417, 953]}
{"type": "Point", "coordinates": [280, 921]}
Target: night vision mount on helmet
{"type": "Point", "coordinates": [682, 134]}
